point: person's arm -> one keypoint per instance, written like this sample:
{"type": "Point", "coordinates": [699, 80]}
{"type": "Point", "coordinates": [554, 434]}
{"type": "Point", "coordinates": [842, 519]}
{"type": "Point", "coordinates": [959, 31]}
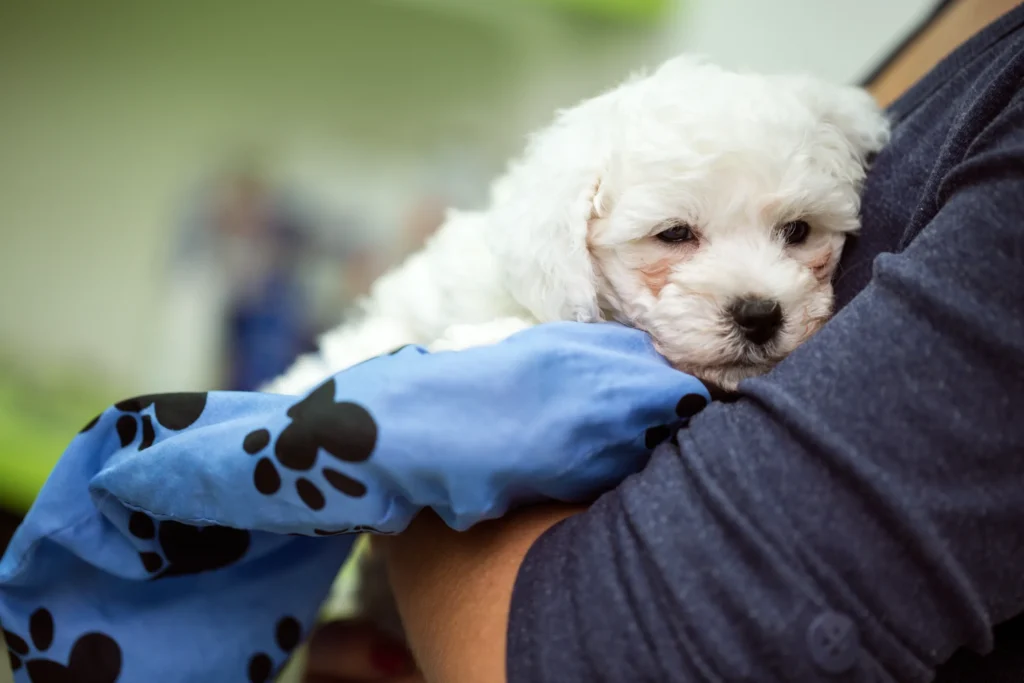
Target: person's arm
{"type": "Point", "coordinates": [449, 610]}
{"type": "Point", "coordinates": [858, 515]}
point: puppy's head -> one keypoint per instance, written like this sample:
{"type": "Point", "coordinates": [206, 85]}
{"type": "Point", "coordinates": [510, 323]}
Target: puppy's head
{"type": "Point", "coordinates": [704, 206]}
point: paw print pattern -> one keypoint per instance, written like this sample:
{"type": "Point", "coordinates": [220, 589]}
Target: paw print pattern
{"type": "Point", "coordinates": [187, 549]}
{"type": "Point", "coordinates": [654, 436]}
{"type": "Point", "coordinates": [171, 411]}
{"type": "Point", "coordinates": [287, 634]}
{"type": "Point", "coordinates": [90, 425]}
{"type": "Point", "coordinates": [343, 430]}
{"type": "Point", "coordinates": [688, 406]}
{"type": "Point", "coordinates": [95, 657]}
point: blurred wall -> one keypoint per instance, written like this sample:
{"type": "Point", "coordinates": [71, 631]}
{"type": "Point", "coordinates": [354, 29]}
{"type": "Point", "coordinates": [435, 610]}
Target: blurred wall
{"type": "Point", "coordinates": [834, 39]}
{"type": "Point", "coordinates": [111, 111]}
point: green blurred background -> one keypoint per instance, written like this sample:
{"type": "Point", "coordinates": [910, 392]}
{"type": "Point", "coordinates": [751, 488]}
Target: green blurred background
{"type": "Point", "coordinates": [121, 121]}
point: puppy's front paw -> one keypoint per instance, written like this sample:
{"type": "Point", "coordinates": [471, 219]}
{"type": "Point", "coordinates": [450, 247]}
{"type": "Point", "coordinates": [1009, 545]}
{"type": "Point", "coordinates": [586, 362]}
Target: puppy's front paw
{"type": "Point", "coordinates": [458, 337]}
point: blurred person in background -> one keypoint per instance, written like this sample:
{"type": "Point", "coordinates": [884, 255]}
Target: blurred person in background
{"type": "Point", "coordinates": [241, 306]}
{"type": "Point", "coordinates": [260, 243]}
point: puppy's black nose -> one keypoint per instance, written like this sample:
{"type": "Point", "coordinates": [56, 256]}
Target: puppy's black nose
{"type": "Point", "coordinates": [757, 319]}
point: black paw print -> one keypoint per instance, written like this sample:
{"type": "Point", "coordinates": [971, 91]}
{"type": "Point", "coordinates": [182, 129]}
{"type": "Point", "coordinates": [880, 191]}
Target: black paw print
{"type": "Point", "coordinates": [91, 424]}
{"type": "Point", "coordinates": [187, 549]}
{"type": "Point", "coordinates": [95, 657]}
{"type": "Point", "coordinates": [688, 406]}
{"type": "Point", "coordinates": [288, 633]}
{"type": "Point", "coordinates": [172, 411]}
{"type": "Point", "coordinates": [344, 430]}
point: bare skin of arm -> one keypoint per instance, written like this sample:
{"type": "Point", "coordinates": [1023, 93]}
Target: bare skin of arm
{"type": "Point", "coordinates": [456, 617]}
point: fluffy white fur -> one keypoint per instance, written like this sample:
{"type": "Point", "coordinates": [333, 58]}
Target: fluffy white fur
{"type": "Point", "coordinates": [570, 231]}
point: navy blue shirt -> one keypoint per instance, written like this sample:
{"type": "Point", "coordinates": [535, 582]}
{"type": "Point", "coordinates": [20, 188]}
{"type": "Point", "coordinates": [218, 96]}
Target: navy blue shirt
{"type": "Point", "coordinates": [858, 514]}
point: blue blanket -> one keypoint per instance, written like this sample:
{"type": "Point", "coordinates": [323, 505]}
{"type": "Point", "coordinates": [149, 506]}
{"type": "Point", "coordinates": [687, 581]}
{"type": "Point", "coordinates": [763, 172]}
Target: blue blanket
{"type": "Point", "coordinates": [193, 536]}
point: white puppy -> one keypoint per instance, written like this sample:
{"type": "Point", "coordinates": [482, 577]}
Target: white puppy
{"type": "Point", "coordinates": [704, 206]}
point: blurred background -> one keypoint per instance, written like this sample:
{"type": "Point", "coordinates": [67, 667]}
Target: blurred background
{"type": "Point", "coordinates": [191, 191]}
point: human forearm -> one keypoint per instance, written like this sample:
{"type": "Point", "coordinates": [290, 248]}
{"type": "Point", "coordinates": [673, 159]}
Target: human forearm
{"type": "Point", "coordinates": [453, 589]}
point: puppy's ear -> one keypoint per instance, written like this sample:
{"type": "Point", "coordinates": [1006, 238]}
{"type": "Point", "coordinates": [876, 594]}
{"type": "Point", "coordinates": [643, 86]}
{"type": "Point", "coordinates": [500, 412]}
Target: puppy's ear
{"type": "Point", "coordinates": [856, 115]}
{"type": "Point", "coordinates": [541, 211]}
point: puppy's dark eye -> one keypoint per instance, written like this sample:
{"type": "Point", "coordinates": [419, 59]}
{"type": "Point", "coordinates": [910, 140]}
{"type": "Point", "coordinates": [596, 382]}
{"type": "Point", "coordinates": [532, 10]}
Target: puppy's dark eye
{"type": "Point", "coordinates": [679, 232]}
{"type": "Point", "coordinates": [795, 232]}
